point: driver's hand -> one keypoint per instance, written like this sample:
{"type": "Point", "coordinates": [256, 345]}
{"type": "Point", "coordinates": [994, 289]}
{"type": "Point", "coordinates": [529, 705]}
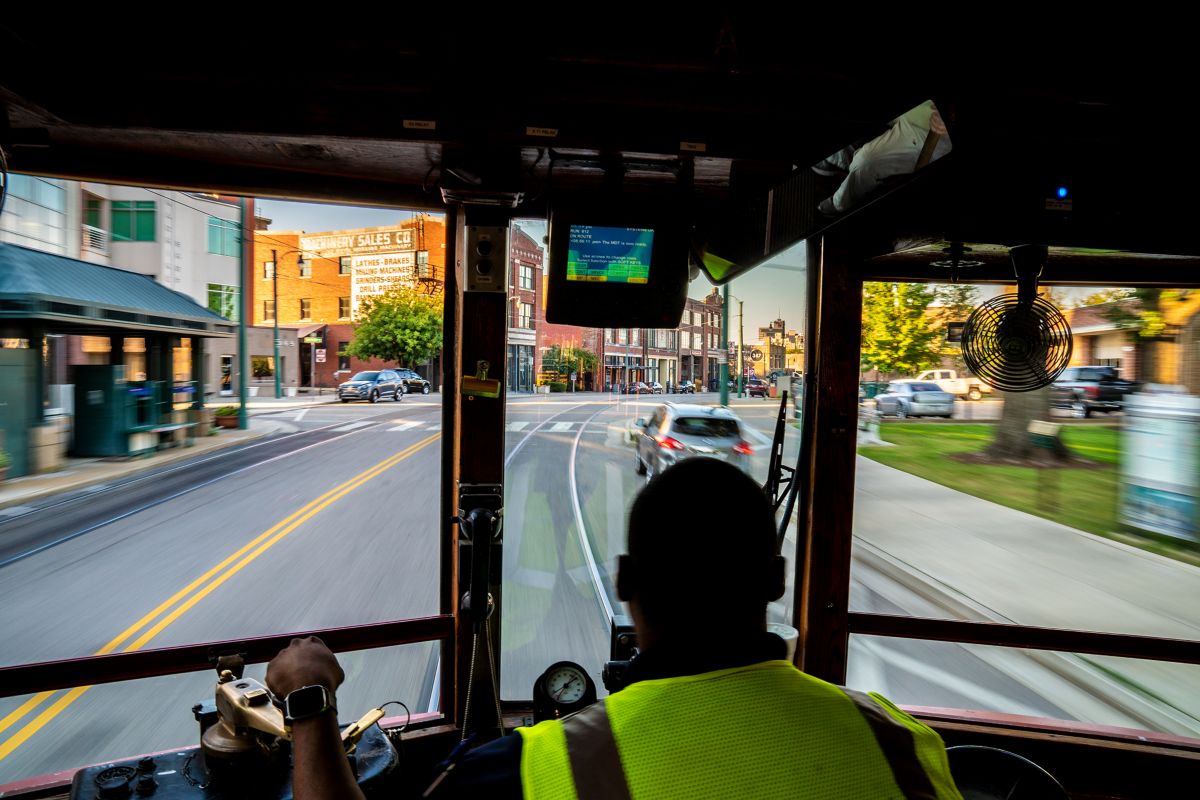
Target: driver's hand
{"type": "Point", "coordinates": [304, 662]}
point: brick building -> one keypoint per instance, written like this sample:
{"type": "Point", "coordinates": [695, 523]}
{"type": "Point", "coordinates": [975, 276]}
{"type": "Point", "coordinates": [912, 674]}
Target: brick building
{"type": "Point", "coordinates": [526, 314]}
{"type": "Point", "coordinates": [321, 296]}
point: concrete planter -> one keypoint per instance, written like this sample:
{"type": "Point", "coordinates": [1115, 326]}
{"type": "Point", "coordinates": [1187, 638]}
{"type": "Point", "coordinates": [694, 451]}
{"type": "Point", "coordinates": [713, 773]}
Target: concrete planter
{"type": "Point", "coordinates": [226, 422]}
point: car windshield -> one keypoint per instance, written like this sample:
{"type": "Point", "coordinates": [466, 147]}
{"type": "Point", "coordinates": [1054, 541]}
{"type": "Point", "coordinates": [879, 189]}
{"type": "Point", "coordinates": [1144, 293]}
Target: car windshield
{"type": "Point", "coordinates": [706, 426]}
{"type": "Point", "coordinates": [1097, 374]}
{"type": "Point", "coordinates": [365, 376]}
{"type": "Point", "coordinates": [925, 387]}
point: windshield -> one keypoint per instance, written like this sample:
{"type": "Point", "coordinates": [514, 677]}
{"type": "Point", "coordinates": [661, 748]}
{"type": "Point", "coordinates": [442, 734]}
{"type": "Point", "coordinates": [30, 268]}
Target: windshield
{"type": "Point", "coordinates": [925, 387]}
{"type": "Point", "coordinates": [146, 521]}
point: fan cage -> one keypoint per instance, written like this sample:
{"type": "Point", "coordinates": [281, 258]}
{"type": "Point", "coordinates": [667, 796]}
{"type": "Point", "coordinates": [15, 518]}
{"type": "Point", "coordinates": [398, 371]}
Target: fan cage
{"type": "Point", "coordinates": [1015, 346]}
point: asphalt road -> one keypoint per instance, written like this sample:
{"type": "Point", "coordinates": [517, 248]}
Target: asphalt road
{"type": "Point", "coordinates": [332, 522]}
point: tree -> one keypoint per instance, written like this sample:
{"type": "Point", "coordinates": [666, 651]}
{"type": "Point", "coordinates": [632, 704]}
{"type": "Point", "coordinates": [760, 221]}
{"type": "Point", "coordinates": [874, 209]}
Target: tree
{"type": "Point", "coordinates": [569, 359]}
{"type": "Point", "coordinates": [896, 333]}
{"type": "Point", "coordinates": [956, 301]}
{"type": "Point", "coordinates": [402, 325]}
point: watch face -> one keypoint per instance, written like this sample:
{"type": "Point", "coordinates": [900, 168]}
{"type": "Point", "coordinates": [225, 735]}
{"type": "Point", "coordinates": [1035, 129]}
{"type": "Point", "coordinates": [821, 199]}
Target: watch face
{"type": "Point", "coordinates": [307, 701]}
{"type": "Point", "coordinates": [566, 685]}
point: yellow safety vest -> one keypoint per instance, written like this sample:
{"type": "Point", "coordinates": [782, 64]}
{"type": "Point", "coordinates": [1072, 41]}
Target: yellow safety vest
{"type": "Point", "coordinates": [764, 730]}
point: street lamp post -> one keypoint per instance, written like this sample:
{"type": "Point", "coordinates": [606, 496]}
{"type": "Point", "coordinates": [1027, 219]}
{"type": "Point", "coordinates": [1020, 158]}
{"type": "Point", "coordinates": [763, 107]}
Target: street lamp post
{"type": "Point", "coordinates": [275, 309]}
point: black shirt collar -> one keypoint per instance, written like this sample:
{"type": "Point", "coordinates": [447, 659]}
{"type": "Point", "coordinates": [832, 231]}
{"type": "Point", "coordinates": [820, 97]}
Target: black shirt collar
{"type": "Point", "coordinates": [672, 659]}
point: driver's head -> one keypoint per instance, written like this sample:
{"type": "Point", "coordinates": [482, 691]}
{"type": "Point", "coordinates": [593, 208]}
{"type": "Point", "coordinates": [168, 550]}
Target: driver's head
{"type": "Point", "coordinates": [701, 551]}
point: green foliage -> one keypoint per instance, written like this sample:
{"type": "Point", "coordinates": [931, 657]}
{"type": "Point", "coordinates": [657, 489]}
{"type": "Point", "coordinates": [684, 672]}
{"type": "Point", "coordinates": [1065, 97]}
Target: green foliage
{"type": "Point", "coordinates": [226, 411]}
{"type": "Point", "coordinates": [558, 387]}
{"type": "Point", "coordinates": [569, 359]}
{"type": "Point", "coordinates": [401, 326]}
{"type": "Point", "coordinates": [5, 459]}
{"type": "Point", "coordinates": [1142, 317]}
{"type": "Point", "coordinates": [956, 302]}
{"type": "Point", "coordinates": [896, 334]}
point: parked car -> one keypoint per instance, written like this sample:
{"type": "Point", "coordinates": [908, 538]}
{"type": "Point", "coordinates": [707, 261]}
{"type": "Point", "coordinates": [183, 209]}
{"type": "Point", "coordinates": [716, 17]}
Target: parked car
{"type": "Point", "coordinates": [1088, 389]}
{"type": "Point", "coordinates": [371, 386]}
{"type": "Point", "coordinates": [756, 387]}
{"type": "Point", "coordinates": [687, 387]}
{"type": "Point", "coordinates": [656, 388]}
{"type": "Point", "coordinates": [412, 382]}
{"type": "Point", "coordinates": [641, 387]}
{"type": "Point", "coordinates": [969, 387]}
{"type": "Point", "coordinates": [909, 398]}
{"type": "Point", "coordinates": [676, 431]}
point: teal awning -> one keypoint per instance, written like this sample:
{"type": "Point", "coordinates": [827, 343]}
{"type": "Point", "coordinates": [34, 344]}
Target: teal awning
{"type": "Point", "coordinates": [75, 296]}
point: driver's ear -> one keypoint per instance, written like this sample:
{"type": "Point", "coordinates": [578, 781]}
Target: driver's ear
{"type": "Point", "coordinates": [626, 578]}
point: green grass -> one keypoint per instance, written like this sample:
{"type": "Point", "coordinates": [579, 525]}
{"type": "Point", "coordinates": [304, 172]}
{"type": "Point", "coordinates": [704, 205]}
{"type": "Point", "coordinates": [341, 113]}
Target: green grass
{"type": "Point", "coordinates": [1087, 497]}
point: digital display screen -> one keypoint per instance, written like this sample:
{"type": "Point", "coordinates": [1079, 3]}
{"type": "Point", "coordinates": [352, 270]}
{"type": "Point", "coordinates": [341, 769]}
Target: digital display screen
{"type": "Point", "coordinates": [609, 255]}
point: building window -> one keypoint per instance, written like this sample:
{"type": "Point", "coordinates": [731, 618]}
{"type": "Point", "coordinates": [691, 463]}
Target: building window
{"type": "Point", "coordinates": [223, 300]}
{"type": "Point", "coordinates": [133, 220]}
{"type": "Point", "coordinates": [343, 359]}
{"type": "Point", "coordinates": [344, 265]}
{"type": "Point", "coordinates": [526, 277]}
{"type": "Point", "coordinates": [92, 208]}
{"type": "Point", "coordinates": [343, 308]}
{"type": "Point", "coordinates": [268, 310]}
{"type": "Point", "coordinates": [305, 267]}
{"type": "Point", "coordinates": [526, 315]}
{"type": "Point", "coordinates": [268, 270]}
{"type": "Point", "coordinates": [622, 335]}
{"type": "Point", "coordinates": [633, 336]}
{"type": "Point", "coordinates": [305, 308]}
{"type": "Point", "coordinates": [223, 236]}
{"type": "Point", "coordinates": [262, 366]}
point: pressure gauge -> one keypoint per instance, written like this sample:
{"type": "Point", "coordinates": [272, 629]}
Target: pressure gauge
{"type": "Point", "coordinates": [562, 689]}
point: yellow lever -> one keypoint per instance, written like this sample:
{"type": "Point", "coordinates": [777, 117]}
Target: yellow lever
{"type": "Point", "coordinates": [354, 732]}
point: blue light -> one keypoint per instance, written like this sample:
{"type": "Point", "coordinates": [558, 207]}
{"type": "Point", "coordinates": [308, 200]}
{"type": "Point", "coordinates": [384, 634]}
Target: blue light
{"type": "Point", "coordinates": [1062, 193]}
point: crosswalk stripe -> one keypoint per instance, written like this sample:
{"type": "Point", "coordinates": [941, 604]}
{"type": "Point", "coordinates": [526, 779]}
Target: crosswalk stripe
{"type": "Point", "coordinates": [516, 426]}
{"type": "Point", "coordinates": [351, 426]}
{"type": "Point", "coordinates": [560, 427]}
{"type": "Point", "coordinates": [404, 426]}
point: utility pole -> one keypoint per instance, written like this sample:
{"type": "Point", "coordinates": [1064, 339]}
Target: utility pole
{"type": "Point", "coordinates": [741, 354]}
{"type": "Point", "coordinates": [247, 215]}
{"type": "Point", "coordinates": [275, 318]}
{"type": "Point", "coordinates": [724, 360]}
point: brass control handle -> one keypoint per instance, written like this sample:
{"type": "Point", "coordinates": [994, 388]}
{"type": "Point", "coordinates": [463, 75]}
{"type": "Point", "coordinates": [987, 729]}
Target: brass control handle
{"type": "Point", "coordinates": [354, 732]}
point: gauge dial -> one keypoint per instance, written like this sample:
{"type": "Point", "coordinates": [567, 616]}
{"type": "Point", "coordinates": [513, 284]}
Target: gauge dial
{"type": "Point", "coordinates": [565, 685]}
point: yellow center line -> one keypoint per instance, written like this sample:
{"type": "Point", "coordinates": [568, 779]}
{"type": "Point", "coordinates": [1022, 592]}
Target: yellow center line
{"type": "Point", "coordinates": [259, 544]}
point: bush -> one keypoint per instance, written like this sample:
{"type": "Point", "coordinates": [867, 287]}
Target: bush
{"type": "Point", "coordinates": [226, 411]}
{"type": "Point", "coordinates": [5, 459]}
{"type": "Point", "coordinates": [558, 387]}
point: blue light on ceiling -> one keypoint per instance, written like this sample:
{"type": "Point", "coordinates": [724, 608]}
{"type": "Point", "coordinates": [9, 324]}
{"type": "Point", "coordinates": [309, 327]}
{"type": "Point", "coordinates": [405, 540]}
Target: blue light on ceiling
{"type": "Point", "coordinates": [1062, 193]}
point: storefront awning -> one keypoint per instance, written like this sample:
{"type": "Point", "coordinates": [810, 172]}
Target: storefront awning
{"type": "Point", "coordinates": [70, 295]}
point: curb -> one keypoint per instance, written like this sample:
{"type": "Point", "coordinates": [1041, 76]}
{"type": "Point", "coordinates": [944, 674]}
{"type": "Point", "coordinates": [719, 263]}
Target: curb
{"type": "Point", "coordinates": [1074, 669]}
{"type": "Point", "coordinates": [143, 465]}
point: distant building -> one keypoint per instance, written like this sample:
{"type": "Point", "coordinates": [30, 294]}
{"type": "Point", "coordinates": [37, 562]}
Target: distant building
{"type": "Point", "coordinates": [322, 297]}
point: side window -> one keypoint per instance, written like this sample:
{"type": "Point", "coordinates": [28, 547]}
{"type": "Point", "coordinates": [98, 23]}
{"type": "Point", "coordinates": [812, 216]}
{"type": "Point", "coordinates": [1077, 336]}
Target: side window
{"type": "Point", "coordinates": [1069, 374]}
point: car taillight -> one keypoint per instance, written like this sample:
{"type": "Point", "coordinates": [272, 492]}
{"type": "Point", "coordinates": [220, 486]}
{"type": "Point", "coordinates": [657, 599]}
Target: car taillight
{"type": "Point", "coordinates": [1093, 391]}
{"type": "Point", "coordinates": [743, 448]}
{"type": "Point", "coordinates": [667, 443]}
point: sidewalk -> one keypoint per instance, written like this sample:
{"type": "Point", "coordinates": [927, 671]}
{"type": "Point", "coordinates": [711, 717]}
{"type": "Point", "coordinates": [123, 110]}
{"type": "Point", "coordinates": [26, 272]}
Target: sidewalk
{"type": "Point", "coordinates": [80, 473]}
{"type": "Point", "coordinates": [983, 561]}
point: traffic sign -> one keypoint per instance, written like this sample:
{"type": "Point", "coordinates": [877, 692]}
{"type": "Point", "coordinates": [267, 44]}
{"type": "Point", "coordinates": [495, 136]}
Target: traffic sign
{"type": "Point", "coordinates": [756, 355]}
{"type": "Point", "coordinates": [312, 339]}
{"type": "Point", "coordinates": [320, 356]}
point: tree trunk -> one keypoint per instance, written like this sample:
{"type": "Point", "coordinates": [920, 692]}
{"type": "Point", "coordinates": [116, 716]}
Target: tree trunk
{"type": "Point", "coordinates": [1011, 440]}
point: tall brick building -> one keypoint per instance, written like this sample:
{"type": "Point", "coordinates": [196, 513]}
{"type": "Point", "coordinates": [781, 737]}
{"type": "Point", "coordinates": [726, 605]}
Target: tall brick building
{"type": "Point", "coordinates": [321, 297]}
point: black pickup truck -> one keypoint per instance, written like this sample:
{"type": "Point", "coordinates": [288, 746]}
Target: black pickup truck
{"type": "Point", "coordinates": [1088, 389]}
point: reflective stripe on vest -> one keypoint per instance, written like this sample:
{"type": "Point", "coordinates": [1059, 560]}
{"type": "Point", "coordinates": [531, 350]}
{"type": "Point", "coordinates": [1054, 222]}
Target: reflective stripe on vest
{"type": "Point", "coordinates": [592, 751]}
{"type": "Point", "coordinates": [765, 730]}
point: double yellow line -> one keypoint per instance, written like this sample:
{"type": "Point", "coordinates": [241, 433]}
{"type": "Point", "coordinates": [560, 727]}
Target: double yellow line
{"type": "Point", "coordinates": [192, 594]}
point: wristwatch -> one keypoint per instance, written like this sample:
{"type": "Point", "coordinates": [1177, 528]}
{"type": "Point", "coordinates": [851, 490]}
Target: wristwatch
{"type": "Point", "coordinates": [305, 702]}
